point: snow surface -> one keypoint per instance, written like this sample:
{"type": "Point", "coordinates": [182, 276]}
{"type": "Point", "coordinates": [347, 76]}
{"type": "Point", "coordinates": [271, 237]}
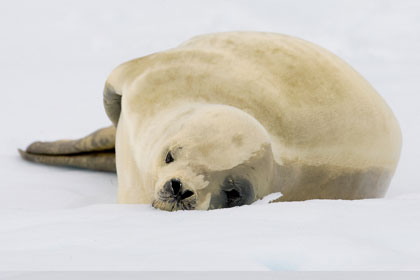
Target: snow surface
{"type": "Point", "coordinates": [54, 59]}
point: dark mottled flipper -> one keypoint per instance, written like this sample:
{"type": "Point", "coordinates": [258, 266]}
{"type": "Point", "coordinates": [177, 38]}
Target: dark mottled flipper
{"type": "Point", "coordinates": [95, 151]}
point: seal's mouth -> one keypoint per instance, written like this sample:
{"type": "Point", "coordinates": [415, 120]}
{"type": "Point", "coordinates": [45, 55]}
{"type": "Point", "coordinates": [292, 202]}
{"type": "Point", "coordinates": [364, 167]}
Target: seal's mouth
{"type": "Point", "coordinates": [173, 204]}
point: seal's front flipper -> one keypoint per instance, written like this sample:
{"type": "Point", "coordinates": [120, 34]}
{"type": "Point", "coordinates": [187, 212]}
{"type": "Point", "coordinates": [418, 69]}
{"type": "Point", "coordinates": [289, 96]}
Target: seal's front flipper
{"type": "Point", "coordinates": [95, 151]}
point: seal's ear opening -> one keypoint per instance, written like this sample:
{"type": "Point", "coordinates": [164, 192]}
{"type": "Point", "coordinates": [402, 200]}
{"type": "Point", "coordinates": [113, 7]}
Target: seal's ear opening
{"type": "Point", "coordinates": [112, 104]}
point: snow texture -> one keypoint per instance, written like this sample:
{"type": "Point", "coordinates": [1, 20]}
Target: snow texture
{"type": "Point", "coordinates": [55, 57]}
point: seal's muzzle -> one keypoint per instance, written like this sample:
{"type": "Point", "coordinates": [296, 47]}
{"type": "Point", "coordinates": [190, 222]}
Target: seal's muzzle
{"type": "Point", "coordinates": [174, 196]}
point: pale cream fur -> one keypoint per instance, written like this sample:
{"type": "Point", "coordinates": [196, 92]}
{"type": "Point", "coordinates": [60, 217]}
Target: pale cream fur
{"type": "Point", "coordinates": [305, 103]}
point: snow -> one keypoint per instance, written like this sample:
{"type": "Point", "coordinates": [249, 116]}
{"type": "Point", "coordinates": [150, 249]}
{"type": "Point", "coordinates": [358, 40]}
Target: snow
{"type": "Point", "coordinates": [315, 235]}
{"type": "Point", "coordinates": [268, 198]}
{"type": "Point", "coordinates": [55, 57]}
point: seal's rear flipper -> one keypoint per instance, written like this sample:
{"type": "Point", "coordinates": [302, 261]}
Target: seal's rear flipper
{"type": "Point", "coordinates": [95, 151]}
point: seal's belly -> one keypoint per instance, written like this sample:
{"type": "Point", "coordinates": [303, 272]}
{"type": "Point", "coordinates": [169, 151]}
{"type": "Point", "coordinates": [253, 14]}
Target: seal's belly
{"type": "Point", "coordinates": [299, 183]}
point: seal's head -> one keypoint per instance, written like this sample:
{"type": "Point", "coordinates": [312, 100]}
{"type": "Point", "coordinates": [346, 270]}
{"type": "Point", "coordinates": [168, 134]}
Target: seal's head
{"type": "Point", "coordinates": [211, 156]}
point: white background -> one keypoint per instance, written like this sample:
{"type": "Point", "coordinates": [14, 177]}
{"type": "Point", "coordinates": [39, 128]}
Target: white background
{"type": "Point", "coordinates": [54, 59]}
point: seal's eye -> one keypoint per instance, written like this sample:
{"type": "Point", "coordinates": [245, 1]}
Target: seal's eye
{"type": "Point", "coordinates": [169, 158]}
{"type": "Point", "coordinates": [237, 191]}
{"type": "Point", "coordinates": [233, 198]}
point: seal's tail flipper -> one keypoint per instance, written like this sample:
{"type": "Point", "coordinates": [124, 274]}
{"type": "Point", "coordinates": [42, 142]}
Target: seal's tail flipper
{"type": "Point", "coordinates": [95, 151]}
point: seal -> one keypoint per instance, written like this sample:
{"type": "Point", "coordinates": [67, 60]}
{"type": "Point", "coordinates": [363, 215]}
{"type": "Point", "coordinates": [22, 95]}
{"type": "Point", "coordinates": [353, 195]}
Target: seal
{"type": "Point", "coordinates": [225, 119]}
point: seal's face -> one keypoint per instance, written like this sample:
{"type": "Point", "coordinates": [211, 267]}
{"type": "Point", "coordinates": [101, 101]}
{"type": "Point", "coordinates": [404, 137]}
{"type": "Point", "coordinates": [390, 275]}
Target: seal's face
{"type": "Point", "coordinates": [216, 157]}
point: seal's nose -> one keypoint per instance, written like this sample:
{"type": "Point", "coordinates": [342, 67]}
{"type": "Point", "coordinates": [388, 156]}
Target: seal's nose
{"type": "Point", "coordinates": [174, 186]}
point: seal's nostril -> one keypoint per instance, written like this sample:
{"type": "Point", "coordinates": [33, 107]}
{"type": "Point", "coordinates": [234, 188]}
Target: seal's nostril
{"type": "Point", "coordinates": [176, 186]}
{"type": "Point", "coordinates": [186, 194]}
